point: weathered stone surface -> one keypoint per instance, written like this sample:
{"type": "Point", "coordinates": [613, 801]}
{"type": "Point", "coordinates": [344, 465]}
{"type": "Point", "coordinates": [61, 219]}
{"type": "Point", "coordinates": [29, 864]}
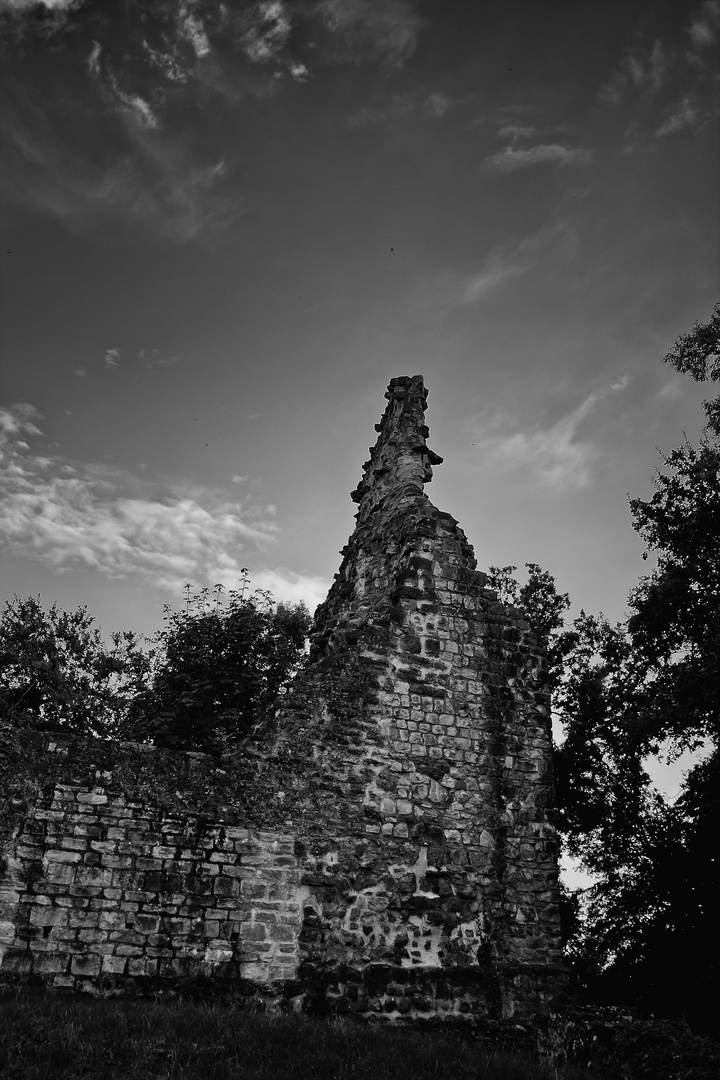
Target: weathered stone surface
{"type": "Point", "coordinates": [384, 845]}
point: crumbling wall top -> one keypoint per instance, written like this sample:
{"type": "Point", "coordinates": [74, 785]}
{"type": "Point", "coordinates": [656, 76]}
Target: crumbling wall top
{"type": "Point", "coordinates": [400, 461]}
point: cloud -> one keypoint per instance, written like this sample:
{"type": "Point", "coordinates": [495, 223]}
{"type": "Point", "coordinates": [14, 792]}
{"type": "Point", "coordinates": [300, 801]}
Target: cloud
{"type": "Point", "coordinates": [705, 26]}
{"type": "Point", "coordinates": [155, 183]}
{"type": "Point", "coordinates": [557, 456]}
{"type": "Point", "coordinates": [93, 60]}
{"type": "Point", "coordinates": [671, 391]}
{"type": "Point", "coordinates": [682, 116]}
{"type": "Point", "coordinates": [291, 587]}
{"type": "Point", "coordinates": [192, 29]}
{"type": "Point", "coordinates": [168, 62]}
{"type": "Point", "coordinates": [69, 515]}
{"type": "Point", "coordinates": [27, 5]}
{"type": "Point", "coordinates": [298, 72]}
{"type": "Point", "coordinates": [445, 292]}
{"type": "Point", "coordinates": [57, 8]}
{"type": "Point", "coordinates": [112, 358]}
{"type": "Point", "coordinates": [669, 89]}
{"type": "Point", "coordinates": [437, 105]}
{"type": "Point", "coordinates": [644, 69]}
{"type": "Point", "coordinates": [495, 273]}
{"type": "Point", "coordinates": [17, 421]}
{"type": "Point", "coordinates": [396, 107]}
{"type": "Point", "coordinates": [132, 104]}
{"type": "Point", "coordinates": [152, 359]}
{"type": "Point", "coordinates": [265, 30]}
{"type": "Point", "coordinates": [511, 158]}
{"type": "Point", "coordinates": [369, 31]}
{"type": "Point", "coordinates": [516, 131]}
{"type": "Point", "coordinates": [136, 106]}
{"type": "Point", "coordinates": [40, 19]}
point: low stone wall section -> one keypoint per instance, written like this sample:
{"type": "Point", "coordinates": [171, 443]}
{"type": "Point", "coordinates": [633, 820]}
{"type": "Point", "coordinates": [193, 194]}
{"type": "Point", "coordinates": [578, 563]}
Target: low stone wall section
{"type": "Point", "coordinates": [98, 887]}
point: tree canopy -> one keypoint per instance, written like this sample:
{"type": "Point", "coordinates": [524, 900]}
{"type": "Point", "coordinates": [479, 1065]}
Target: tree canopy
{"type": "Point", "coordinates": [56, 671]}
{"type": "Point", "coordinates": [221, 664]}
{"type": "Point", "coordinates": [207, 676]}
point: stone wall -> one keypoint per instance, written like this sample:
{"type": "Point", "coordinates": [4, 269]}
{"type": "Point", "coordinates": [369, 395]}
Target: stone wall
{"type": "Point", "coordinates": [100, 887]}
{"type": "Point", "coordinates": [383, 846]}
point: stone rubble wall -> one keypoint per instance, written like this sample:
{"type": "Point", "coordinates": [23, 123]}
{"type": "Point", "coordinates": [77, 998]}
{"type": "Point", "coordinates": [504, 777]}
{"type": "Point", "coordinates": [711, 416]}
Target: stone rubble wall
{"type": "Point", "coordinates": [384, 846]}
{"type": "Point", "coordinates": [103, 887]}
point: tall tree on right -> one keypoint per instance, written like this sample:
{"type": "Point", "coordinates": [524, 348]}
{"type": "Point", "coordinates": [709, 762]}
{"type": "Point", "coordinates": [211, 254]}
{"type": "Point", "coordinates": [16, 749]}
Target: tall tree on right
{"type": "Point", "coordinates": [622, 693]}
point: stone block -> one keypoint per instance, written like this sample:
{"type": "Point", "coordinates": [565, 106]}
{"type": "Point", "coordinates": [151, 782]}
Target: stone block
{"type": "Point", "coordinates": [57, 856]}
{"type": "Point", "coordinates": [112, 920]}
{"type": "Point", "coordinates": [146, 924]}
{"type": "Point", "coordinates": [49, 916]}
{"type": "Point", "coordinates": [253, 889]}
{"type": "Point", "coordinates": [50, 963]}
{"type": "Point", "coordinates": [141, 967]}
{"type": "Point", "coordinates": [254, 931]}
{"type": "Point", "coordinates": [128, 950]}
{"type": "Point", "coordinates": [86, 964]}
{"type": "Point", "coordinates": [92, 798]}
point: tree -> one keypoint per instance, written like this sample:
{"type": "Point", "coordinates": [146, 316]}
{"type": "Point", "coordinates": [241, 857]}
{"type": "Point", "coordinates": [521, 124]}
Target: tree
{"type": "Point", "coordinates": [220, 667]}
{"type": "Point", "coordinates": [697, 354]}
{"type": "Point", "coordinates": [57, 672]}
{"type": "Point", "coordinates": [647, 933]}
{"type": "Point", "coordinates": [538, 597]}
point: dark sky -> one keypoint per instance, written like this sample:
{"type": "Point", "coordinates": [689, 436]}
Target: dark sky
{"type": "Point", "coordinates": [227, 225]}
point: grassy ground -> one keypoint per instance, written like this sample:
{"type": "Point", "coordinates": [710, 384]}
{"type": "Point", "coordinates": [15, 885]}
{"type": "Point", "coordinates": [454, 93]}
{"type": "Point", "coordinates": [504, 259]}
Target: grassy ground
{"type": "Point", "coordinates": [45, 1037]}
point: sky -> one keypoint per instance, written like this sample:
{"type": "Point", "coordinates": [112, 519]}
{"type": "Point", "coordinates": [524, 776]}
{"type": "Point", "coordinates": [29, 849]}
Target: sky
{"type": "Point", "coordinates": [227, 225]}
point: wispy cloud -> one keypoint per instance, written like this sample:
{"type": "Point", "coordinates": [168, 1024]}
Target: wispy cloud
{"type": "Point", "coordinates": [437, 105]}
{"type": "Point", "coordinates": [704, 27]}
{"type": "Point", "coordinates": [155, 183]}
{"type": "Point", "coordinates": [555, 243]}
{"type": "Point", "coordinates": [557, 456]}
{"type": "Point", "coordinates": [514, 157]}
{"type": "Point", "coordinates": [498, 269]}
{"type": "Point", "coordinates": [17, 424]}
{"type": "Point", "coordinates": [668, 89]}
{"type": "Point", "coordinates": [265, 29]}
{"type": "Point", "coordinates": [517, 131]}
{"type": "Point", "coordinates": [57, 8]}
{"type": "Point", "coordinates": [153, 359]}
{"type": "Point", "coordinates": [396, 107]}
{"type": "Point", "coordinates": [643, 68]}
{"type": "Point", "coordinates": [68, 515]}
{"type": "Point", "coordinates": [112, 359]}
{"type": "Point", "coordinates": [681, 116]}
{"type": "Point", "coordinates": [143, 165]}
{"type": "Point", "coordinates": [192, 29]}
{"type": "Point", "coordinates": [365, 31]}
{"type": "Point", "coordinates": [132, 104]}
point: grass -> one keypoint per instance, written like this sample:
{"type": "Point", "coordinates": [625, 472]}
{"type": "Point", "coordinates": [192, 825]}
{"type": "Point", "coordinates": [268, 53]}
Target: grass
{"type": "Point", "coordinates": [51, 1037]}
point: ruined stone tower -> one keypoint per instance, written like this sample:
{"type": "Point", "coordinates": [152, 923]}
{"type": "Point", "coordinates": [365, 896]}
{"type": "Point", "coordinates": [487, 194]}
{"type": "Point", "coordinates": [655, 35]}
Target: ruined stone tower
{"type": "Point", "coordinates": [383, 847]}
{"type": "Point", "coordinates": [431, 708]}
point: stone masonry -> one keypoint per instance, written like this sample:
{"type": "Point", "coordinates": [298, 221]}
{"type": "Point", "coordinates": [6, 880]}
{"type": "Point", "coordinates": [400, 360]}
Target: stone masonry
{"type": "Point", "coordinates": [383, 846]}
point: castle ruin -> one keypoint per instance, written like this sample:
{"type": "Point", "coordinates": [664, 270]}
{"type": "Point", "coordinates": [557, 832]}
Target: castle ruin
{"type": "Point", "coordinates": [383, 846]}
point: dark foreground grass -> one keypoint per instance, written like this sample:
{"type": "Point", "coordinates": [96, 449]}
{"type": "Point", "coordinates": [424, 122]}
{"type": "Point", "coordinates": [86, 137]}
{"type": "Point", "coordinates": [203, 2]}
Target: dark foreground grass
{"type": "Point", "coordinates": [45, 1037]}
